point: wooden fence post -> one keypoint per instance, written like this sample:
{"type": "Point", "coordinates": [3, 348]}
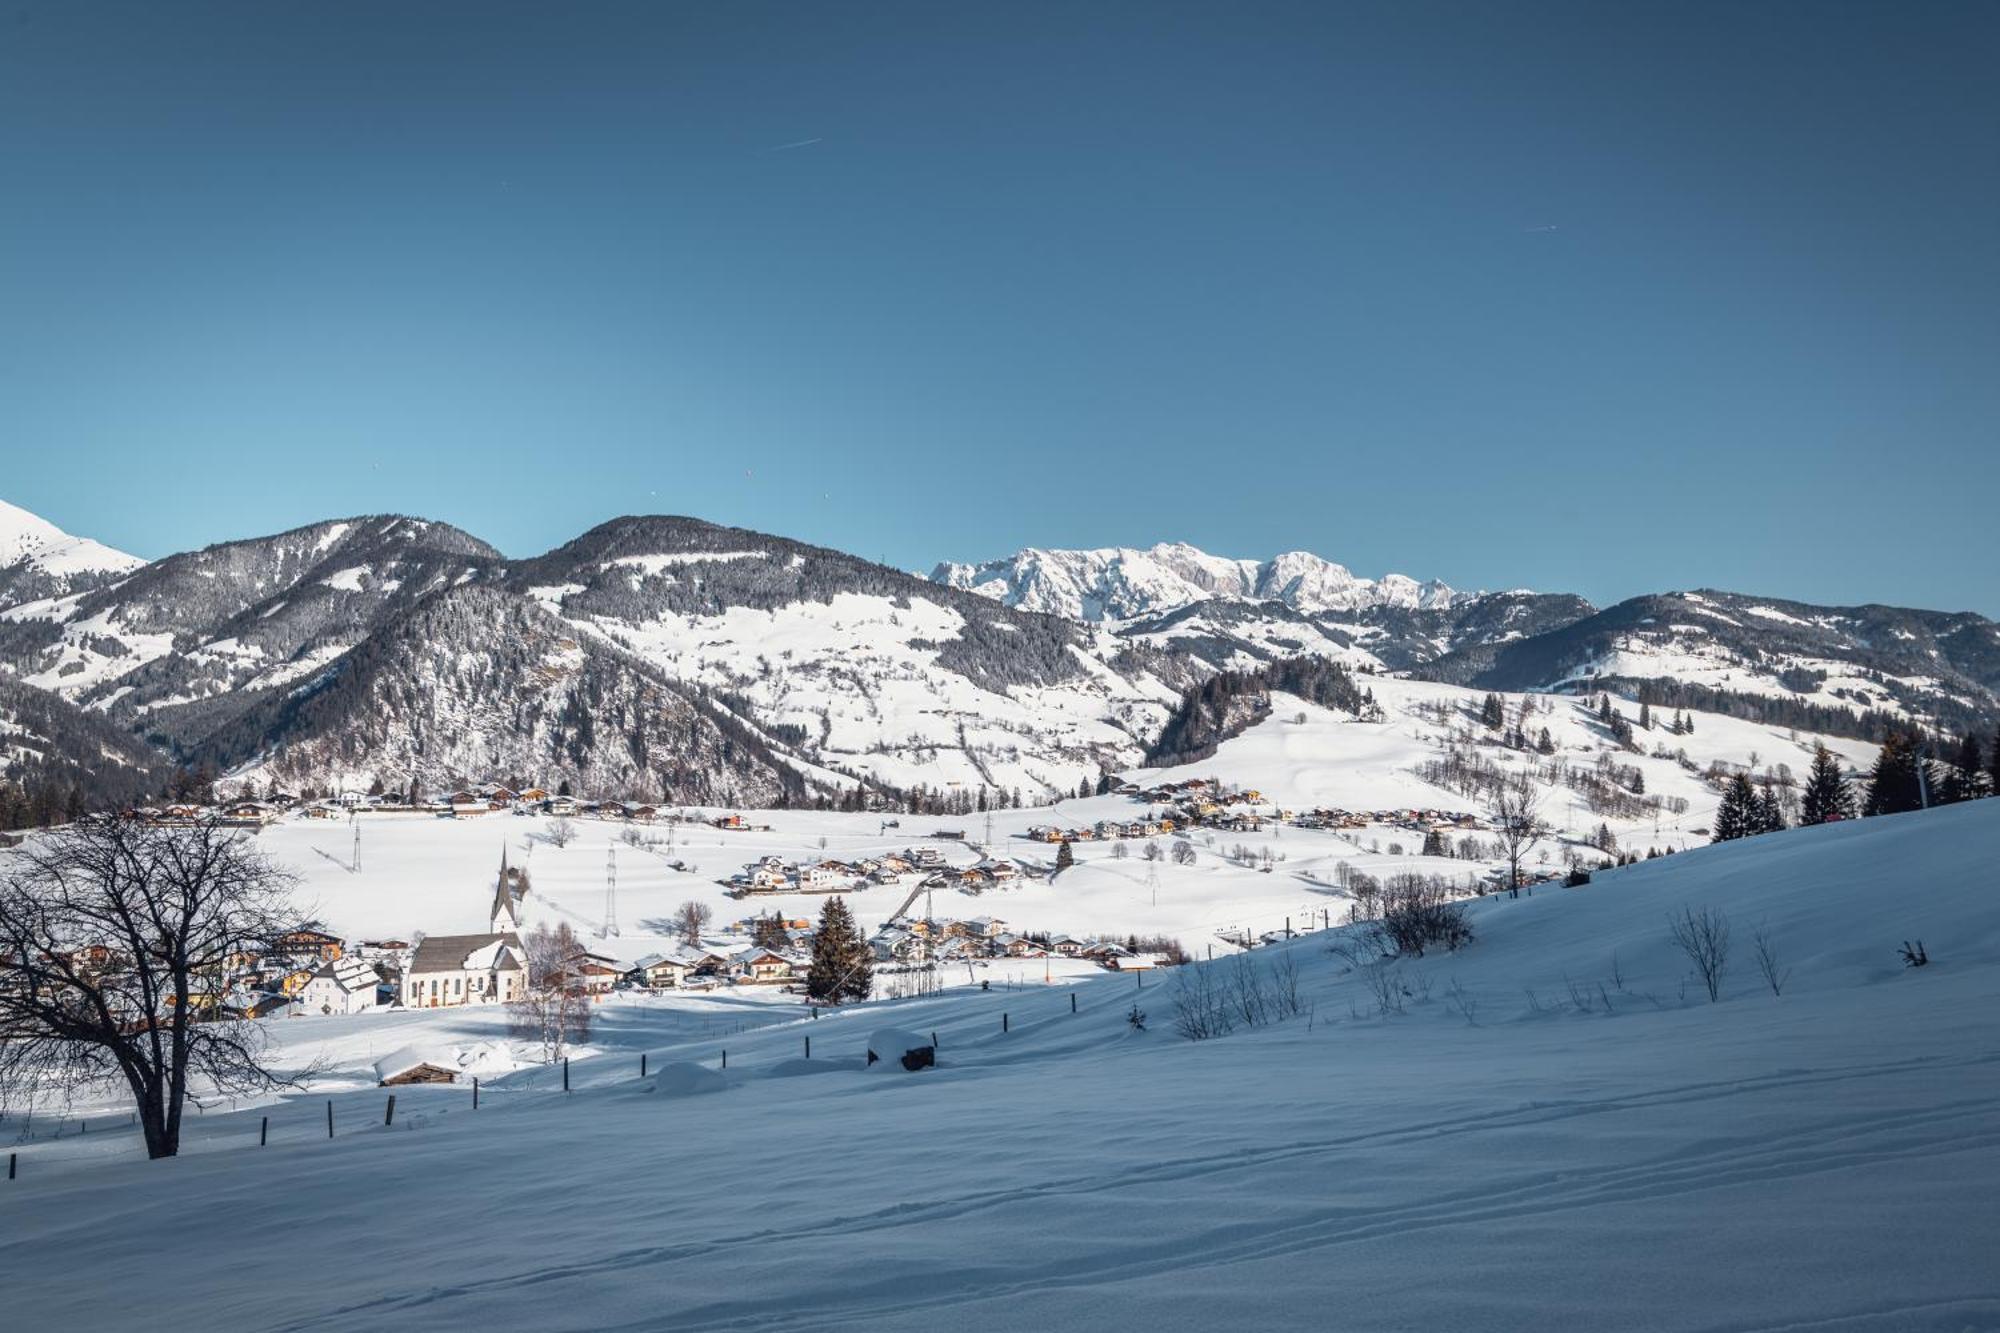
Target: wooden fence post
{"type": "Point", "coordinates": [329, 1118]}
{"type": "Point", "coordinates": [1003, 1020]}
{"type": "Point", "coordinates": [13, 1159]}
{"type": "Point", "coordinates": [1072, 1001]}
{"type": "Point", "coordinates": [642, 1064]}
{"type": "Point", "coordinates": [565, 1073]}
{"type": "Point", "coordinates": [725, 1057]}
{"type": "Point", "coordinates": [264, 1133]}
{"type": "Point", "coordinates": [389, 1116]}
{"type": "Point", "coordinates": [475, 1092]}
{"type": "Point", "coordinates": [809, 1048]}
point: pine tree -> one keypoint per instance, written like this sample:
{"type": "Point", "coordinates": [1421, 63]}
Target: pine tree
{"type": "Point", "coordinates": [1065, 858]}
{"type": "Point", "coordinates": [1435, 845]}
{"type": "Point", "coordinates": [1545, 743]}
{"type": "Point", "coordinates": [1645, 716]}
{"type": "Point", "coordinates": [1736, 817]}
{"type": "Point", "coordinates": [1492, 713]}
{"type": "Point", "coordinates": [1896, 785]}
{"type": "Point", "coordinates": [1768, 816]}
{"type": "Point", "coordinates": [1826, 797]}
{"type": "Point", "coordinates": [1966, 779]}
{"type": "Point", "coordinates": [841, 964]}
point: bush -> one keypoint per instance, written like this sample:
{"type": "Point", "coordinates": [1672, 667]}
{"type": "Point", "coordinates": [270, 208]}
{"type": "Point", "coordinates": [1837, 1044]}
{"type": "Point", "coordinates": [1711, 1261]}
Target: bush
{"type": "Point", "coordinates": [1417, 915]}
{"type": "Point", "coordinates": [1577, 877]}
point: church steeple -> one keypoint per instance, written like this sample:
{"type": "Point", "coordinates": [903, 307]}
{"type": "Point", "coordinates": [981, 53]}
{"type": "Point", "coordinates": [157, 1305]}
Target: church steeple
{"type": "Point", "coordinates": [506, 915]}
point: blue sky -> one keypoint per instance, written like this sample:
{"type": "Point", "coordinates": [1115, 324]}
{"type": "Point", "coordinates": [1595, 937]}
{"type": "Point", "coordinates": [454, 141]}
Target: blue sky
{"type": "Point", "coordinates": [1604, 298]}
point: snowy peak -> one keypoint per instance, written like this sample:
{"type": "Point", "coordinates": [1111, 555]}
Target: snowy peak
{"type": "Point", "coordinates": [38, 559]}
{"type": "Point", "coordinates": [1125, 583]}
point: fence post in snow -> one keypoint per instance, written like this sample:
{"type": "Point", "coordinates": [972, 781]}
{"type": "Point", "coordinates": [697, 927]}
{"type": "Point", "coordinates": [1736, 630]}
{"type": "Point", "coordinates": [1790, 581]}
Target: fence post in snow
{"type": "Point", "coordinates": [725, 1057]}
{"type": "Point", "coordinates": [329, 1118]}
{"type": "Point", "coordinates": [809, 1048]}
{"type": "Point", "coordinates": [264, 1133]}
{"type": "Point", "coordinates": [1288, 927]}
{"type": "Point", "coordinates": [565, 1073]}
{"type": "Point", "coordinates": [13, 1160]}
{"type": "Point", "coordinates": [1072, 1001]}
{"type": "Point", "coordinates": [1003, 1020]}
{"type": "Point", "coordinates": [642, 1064]}
{"type": "Point", "coordinates": [475, 1092]}
{"type": "Point", "coordinates": [389, 1116]}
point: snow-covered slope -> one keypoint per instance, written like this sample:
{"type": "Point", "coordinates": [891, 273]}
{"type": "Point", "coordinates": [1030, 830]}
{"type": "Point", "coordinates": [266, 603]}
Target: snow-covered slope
{"type": "Point", "coordinates": [861, 669]}
{"type": "Point", "coordinates": [38, 559]}
{"type": "Point", "coordinates": [1551, 1128]}
{"type": "Point", "coordinates": [1938, 668]}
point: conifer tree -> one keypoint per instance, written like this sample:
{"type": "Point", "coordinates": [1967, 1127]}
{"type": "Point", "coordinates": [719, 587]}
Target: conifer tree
{"type": "Point", "coordinates": [841, 964]}
{"type": "Point", "coordinates": [1645, 716]}
{"type": "Point", "coordinates": [1065, 858]}
{"type": "Point", "coordinates": [1896, 784]}
{"type": "Point", "coordinates": [1966, 780]}
{"type": "Point", "coordinates": [1768, 816]}
{"type": "Point", "coordinates": [1737, 815]}
{"type": "Point", "coordinates": [1826, 797]}
{"type": "Point", "coordinates": [1545, 743]}
{"type": "Point", "coordinates": [1492, 713]}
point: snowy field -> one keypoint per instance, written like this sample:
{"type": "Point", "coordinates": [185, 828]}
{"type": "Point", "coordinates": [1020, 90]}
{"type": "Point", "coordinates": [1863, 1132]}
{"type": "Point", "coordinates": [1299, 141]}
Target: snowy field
{"type": "Point", "coordinates": [1824, 1159]}
{"type": "Point", "coordinates": [434, 875]}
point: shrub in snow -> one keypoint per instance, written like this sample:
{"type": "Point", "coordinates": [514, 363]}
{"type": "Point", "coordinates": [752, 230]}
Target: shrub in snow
{"type": "Point", "coordinates": [1416, 915]}
{"type": "Point", "coordinates": [1914, 957]}
{"type": "Point", "coordinates": [1704, 937]}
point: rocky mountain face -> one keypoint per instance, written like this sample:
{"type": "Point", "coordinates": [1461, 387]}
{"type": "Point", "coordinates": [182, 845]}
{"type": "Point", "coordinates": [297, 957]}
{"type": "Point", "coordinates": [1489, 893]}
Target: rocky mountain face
{"type": "Point", "coordinates": [176, 647]}
{"type": "Point", "coordinates": [478, 680]}
{"type": "Point", "coordinates": [1234, 614]}
{"type": "Point", "coordinates": [1121, 583]}
{"type": "Point", "coordinates": [1786, 662]}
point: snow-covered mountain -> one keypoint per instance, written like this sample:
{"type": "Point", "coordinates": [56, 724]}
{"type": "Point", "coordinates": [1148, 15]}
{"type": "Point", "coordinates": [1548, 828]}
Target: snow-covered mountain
{"type": "Point", "coordinates": [672, 659]}
{"type": "Point", "coordinates": [859, 669]}
{"type": "Point", "coordinates": [1760, 656]}
{"type": "Point", "coordinates": [1237, 613]}
{"type": "Point", "coordinates": [39, 559]}
{"type": "Point", "coordinates": [1123, 583]}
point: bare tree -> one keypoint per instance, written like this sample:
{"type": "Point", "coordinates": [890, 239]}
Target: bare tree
{"type": "Point", "coordinates": [1704, 937]}
{"type": "Point", "coordinates": [690, 919]}
{"type": "Point", "coordinates": [1769, 963]}
{"type": "Point", "coordinates": [1516, 809]}
{"type": "Point", "coordinates": [554, 1008]}
{"type": "Point", "coordinates": [560, 831]}
{"type": "Point", "coordinates": [118, 944]}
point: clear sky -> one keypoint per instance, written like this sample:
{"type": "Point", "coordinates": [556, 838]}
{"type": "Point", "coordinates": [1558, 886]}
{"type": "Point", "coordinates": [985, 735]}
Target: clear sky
{"type": "Point", "coordinates": [1608, 298]}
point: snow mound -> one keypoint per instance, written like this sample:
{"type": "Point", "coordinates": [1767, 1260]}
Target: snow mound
{"type": "Point", "coordinates": [898, 1049]}
{"type": "Point", "coordinates": [684, 1078]}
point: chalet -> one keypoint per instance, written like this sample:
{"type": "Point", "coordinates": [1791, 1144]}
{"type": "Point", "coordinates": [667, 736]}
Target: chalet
{"type": "Point", "coordinates": [759, 965]}
{"type": "Point", "coordinates": [661, 971]}
{"type": "Point", "coordinates": [597, 973]}
{"type": "Point", "coordinates": [729, 822]}
{"type": "Point", "coordinates": [925, 857]}
{"type": "Point", "coordinates": [345, 986]}
{"type": "Point", "coordinates": [467, 806]}
{"type": "Point", "coordinates": [249, 812]}
{"type": "Point", "coordinates": [559, 805]}
{"type": "Point", "coordinates": [532, 795]}
{"type": "Point", "coordinates": [307, 943]}
{"type": "Point", "coordinates": [498, 796]}
{"type": "Point", "coordinates": [1066, 945]}
{"type": "Point", "coordinates": [466, 969]}
{"type": "Point", "coordinates": [1018, 946]}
